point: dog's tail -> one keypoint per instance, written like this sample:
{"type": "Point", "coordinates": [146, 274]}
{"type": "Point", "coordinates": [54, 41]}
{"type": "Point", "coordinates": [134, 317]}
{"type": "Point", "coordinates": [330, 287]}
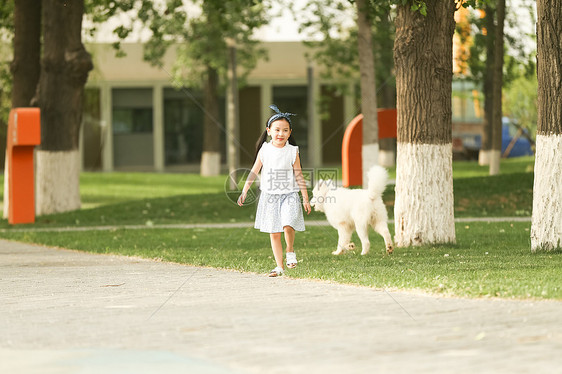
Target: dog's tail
{"type": "Point", "coordinates": [378, 179]}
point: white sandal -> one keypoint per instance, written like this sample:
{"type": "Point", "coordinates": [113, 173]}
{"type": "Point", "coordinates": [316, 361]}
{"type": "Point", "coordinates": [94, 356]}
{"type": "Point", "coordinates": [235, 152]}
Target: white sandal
{"type": "Point", "coordinates": [291, 260]}
{"type": "Point", "coordinates": [276, 272]}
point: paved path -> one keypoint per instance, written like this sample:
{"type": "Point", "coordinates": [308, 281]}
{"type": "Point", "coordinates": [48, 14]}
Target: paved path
{"type": "Point", "coordinates": [69, 312]}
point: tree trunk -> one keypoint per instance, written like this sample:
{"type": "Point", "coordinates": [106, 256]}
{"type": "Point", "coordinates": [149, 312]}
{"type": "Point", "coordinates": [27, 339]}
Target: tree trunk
{"type": "Point", "coordinates": [546, 227]}
{"type": "Point", "coordinates": [211, 156]}
{"type": "Point", "coordinates": [423, 53]}
{"type": "Point", "coordinates": [64, 72]}
{"type": "Point", "coordinates": [26, 66]}
{"type": "Point", "coordinates": [387, 95]}
{"type": "Point", "coordinates": [484, 154]}
{"type": "Point", "coordinates": [232, 122]}
{"type": "Point", "coordinates": [496, 144]}
{"type": "Point", "coordinates": [370, 150]}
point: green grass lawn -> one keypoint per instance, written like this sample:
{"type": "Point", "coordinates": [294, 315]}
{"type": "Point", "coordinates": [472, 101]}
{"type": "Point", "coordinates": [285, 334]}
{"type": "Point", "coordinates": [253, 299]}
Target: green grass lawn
{"type": "Point", "coordinates": [99, 189]}
{"type": "Point", "coordinates": [489, 259]}
{"type": "Point", "coordinates": [152, 199]}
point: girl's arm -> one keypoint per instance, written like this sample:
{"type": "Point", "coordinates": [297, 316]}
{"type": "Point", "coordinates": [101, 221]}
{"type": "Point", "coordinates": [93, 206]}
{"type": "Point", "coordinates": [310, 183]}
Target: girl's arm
{"type": "Point", "coordinates": [253, 174]}
{"type": "Point", "coordinates": [302, 184]}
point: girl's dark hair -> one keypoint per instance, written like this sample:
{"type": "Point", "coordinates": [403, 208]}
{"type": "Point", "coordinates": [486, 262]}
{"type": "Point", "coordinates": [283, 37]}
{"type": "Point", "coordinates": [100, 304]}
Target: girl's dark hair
{"type": "Point", "coordinates": [263, 138]}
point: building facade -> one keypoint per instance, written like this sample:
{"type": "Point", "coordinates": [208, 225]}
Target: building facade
{"type": "Point", "coordinates": [135, 120]}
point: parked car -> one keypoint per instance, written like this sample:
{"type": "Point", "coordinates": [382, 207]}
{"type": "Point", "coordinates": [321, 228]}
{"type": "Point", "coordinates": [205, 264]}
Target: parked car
{"type": "Point", "coordinates": [467, 140]}
{"type": "Point", "coordinates": [521, 144]}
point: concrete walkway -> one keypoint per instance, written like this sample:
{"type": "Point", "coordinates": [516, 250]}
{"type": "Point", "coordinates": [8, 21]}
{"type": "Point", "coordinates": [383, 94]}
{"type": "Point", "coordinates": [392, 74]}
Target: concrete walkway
{"type": "Point", "coordinates": [69, 312]}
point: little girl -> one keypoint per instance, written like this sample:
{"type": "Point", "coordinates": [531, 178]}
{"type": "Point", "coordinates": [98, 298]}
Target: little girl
{"type": "Point", "coordinates": [279, 207]}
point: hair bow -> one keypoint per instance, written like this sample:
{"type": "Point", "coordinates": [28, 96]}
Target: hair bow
{"type": "Point", "coordinates": [279, 115]}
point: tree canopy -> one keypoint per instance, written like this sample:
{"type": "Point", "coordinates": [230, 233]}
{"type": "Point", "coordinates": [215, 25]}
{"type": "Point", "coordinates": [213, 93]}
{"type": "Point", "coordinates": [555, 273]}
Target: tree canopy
{"type": "Point", "coordinates": [333, 41]}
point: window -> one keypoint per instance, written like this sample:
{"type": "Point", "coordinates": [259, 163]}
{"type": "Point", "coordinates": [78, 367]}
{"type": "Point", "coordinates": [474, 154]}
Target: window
{"type": "Point", "coordinates": [132, 110]}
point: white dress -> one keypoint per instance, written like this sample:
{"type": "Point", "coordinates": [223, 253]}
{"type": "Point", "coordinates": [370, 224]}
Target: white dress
{"type": "Point", "coordinates": [279, 202]}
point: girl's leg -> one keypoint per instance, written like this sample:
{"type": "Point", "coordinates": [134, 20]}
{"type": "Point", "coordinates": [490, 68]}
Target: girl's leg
{"type": "Point", "coordinates": [277, 248]}
{"type": "Point", "coordinates": [289, 238]}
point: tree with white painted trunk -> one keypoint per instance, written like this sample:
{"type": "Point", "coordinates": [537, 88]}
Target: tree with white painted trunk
{"type": "Point", "coordinates": [516, 57]}
{"type": "Point", "coordinates": [211, 155]}
{"type": "Point", "coordinates": [202, 57]}
{"type": "Point", "coordinates": [64, 71]}
{"type": "Point", "coordinates": [58, 85]}
{"type": "Point", "coordinates": [497, 84]}
{"type": "Point", "coordinates": [484, 154]}
{"type": "Point", "coordinates": [370, 148]}
{"type": "Point", "coordinates": [423, 49]}
{"type": "Point", "coordinates": [364, 47]}
{"type": "Point", "coordinates": [546, 227]}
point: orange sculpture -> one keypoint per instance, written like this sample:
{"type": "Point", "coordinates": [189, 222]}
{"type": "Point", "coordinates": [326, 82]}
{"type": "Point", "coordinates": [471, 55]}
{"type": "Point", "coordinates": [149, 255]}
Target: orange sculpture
{"type": "Point", "coordinates": [24, 133]}
{"type": "Point", "coordinates": [352, 163]}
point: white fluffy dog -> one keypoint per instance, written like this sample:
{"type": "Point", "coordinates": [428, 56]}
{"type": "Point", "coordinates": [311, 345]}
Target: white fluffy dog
{"type": "Point", "coordinates": [347, 210]}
